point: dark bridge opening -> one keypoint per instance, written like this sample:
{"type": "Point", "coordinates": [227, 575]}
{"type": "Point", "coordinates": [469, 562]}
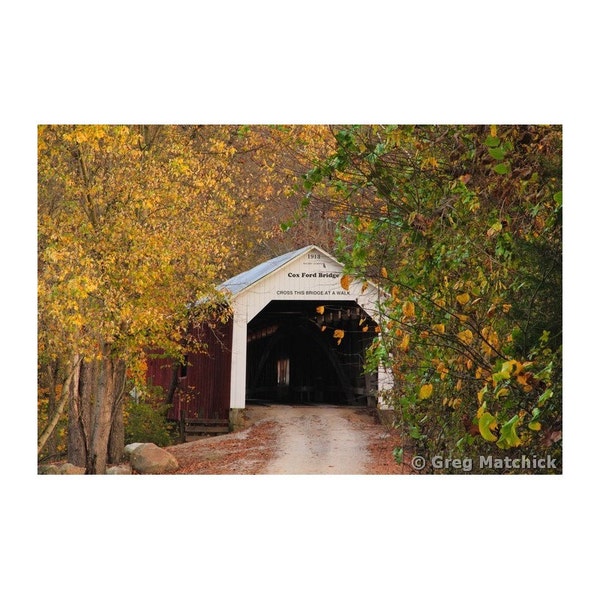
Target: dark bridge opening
{"type": "Point", "coordinates": [308, 351]}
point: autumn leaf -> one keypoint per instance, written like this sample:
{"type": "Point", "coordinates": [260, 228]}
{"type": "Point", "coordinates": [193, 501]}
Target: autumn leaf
{"type": "Point", "coordinates": [438, 328]}
{"type": "Point", "coordinates": [463, 298]}
{"type": "Point", "coordinates": [481, 393]}
{"type": "Point", "coordinates": [384, 272]}
{"type": "Point", "coordinates": [320, 309]}
{"type": "Point", "coordinates": [465, 336]}
{"type": "Point", "coordinates": [486, 423]}
{"type": "Point", "coordinates": [345, 282]}
{"type": "Point", "coordinates": [534, 424]}
{"type": "Point", "coordinates": [425, 391]}
{"type": "Point", "coordinates": [408, 309]}
{"type": "Point", "coordinates": [405, 342]}
{"type": "Point", "coordinates": [442, 369]}
{"type": "Point", "coordinates": [494, 229]}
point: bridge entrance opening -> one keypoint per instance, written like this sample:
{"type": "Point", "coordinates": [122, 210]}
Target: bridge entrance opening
{"type": "Point", "coordinates": [304, 352]}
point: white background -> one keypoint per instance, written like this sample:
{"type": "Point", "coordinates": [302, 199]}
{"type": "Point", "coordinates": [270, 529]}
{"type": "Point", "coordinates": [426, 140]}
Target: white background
{"type": "Point", "coordinates": [308, 62]}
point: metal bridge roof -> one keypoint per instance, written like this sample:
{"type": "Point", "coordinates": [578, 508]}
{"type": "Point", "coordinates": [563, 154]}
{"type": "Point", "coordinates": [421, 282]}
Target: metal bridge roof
{"type": "Point", "coordinates": [244, 280]}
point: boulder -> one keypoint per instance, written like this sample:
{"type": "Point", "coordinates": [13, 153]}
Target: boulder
{"type": "Point", "coordinates": [48, 470]}
{"type": "Point", "coordinates": [119, 470]}
{"type": "Point", "coordinates": [152, 460]}
{"type": "Point", "coordinates": [69, 469]}
{"type": "Point", "coordinates": [130, 448]}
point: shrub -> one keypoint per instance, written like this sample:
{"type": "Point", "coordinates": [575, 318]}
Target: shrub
{"type": "Point", "coordinates": [147, 422]}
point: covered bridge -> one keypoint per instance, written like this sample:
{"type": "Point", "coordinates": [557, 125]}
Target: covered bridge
{"type": "Point", "coordinates": [297, 336]}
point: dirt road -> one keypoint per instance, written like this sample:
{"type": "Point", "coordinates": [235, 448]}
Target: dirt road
{"type": "Point", "coordinates": [283, 439]}
{"type": "Point", "coordinates": [318, 441]}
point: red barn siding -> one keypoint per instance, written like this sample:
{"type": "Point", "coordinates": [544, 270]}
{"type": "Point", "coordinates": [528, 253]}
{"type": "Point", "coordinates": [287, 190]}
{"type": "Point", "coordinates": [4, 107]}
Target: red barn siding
{"type": "Point", "coordinates": [204, 391]}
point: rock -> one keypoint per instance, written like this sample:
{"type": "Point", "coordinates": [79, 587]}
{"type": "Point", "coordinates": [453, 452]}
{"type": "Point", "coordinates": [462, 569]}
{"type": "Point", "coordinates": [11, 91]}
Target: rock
{"type": "Point", "coordinates": [119, 470]}
{"type": "Point", "coordinates": [130, 448]}
{"type": "Point", "coordinates": [150, 459]}
{"type": "Point", "coordinates": [48, 470]}
{"type": "Point", "coordinates": [69, 469]}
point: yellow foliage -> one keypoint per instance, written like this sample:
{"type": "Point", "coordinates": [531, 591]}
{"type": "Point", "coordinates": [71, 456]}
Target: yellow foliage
{"type": "Point", "coordinates": [438, 328]}
{"type": "Point", "coordinates": [481, 393]}
{"type": "Point", "coordinates": [408, 309]}
{"type": "Point", "coordinates": [486, 423]}
{"type": "Point", "coordinates": [442, 369]}
{"type": "Point", "coordinates": [405, 342]}
{"type": "Point", "coordinates": [425, 391]}
{"type": "Point", "coordinates": [465, 336]}
{"type": "Point", "coordinates": [463, 298]}
{"type": "Point", "coordinates": [491, 341]}
{"type": "Point", "coordinates": [117, 261]}
{"type": "Point", "coordinates": [345, 282]}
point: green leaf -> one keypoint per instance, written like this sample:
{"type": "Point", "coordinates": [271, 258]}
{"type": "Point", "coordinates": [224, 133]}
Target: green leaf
{"type": "Point", "coordinates": [486, 423]}
{"type": "Point", "coordinates": [535, 424]}
{"type": "Point", "coordinates": [415, 432]}
{"type": "Point", "coordinates": [398, 455]}
{"type": "Point", "coordinates": [502, 168]}
{"type": "Point", "coordinates": [492, 142]}
{"type": "Point", "coordinates": [558, 199]}
{"type": "Point", "coordinates": [498, 153]}
{"type": "Point", "coordinates": [508, 434]}
{"type": "Point", "coordinates": [545, 396]}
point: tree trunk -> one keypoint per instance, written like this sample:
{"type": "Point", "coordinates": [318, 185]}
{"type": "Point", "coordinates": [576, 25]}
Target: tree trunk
{"type": "Point", "coordinates": [173, 383]}
{"type": "Point", "coordinates": [55, 408]}
{"type": "Point", "coordinates": [47, 439]}
{"type": "Point", "coordinates": [96, 401]}
{"type": "Point", "coordinates": [79, 414]}
{"type": "Point", "coordinates": [116, 440]}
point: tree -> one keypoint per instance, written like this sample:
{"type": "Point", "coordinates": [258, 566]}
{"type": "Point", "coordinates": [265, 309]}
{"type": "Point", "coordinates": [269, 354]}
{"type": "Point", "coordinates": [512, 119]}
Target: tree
{"type": "Point", "coordinates": [135, 226]}
{"type": "Point", "coordinates": [462, 226]}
